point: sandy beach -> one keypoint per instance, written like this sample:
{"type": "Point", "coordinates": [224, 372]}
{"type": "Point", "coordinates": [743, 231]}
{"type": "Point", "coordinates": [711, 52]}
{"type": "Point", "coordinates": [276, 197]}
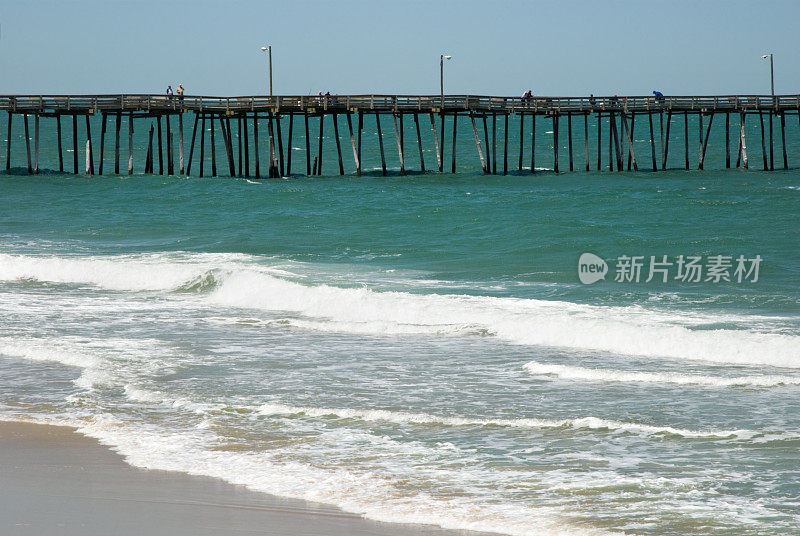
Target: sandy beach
{"type": "Point", "coordinates": [58, 482]}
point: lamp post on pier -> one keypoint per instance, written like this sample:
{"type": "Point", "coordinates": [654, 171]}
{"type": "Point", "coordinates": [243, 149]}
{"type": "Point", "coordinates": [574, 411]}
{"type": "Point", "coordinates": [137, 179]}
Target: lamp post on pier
{"type": "Point", "coordinates": [268, 50]}
{"type": "Point", "coordinates": [442, 57]}
{"type": "Point", "coordinates": [771, 76]}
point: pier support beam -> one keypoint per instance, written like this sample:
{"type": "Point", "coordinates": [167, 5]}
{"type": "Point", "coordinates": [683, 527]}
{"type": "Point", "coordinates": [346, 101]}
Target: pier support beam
{"type": "Point", "coordinates": [319, 152]}
{"type": "Point", "coordinates": [436, 143]}
{"type": "Point", "coordinates": [191, 145]}
{"type": "Point", "coordinates": [289, 146]}
{"type": "Point", "coordinates": [505, 145]}
{"type": "Point", "coordinates": [686, 140]}
{"type": "Point", "coordinates": [60, 149]}
{"type": "Point", "coordinates": [494, 144]}
{"type": "Point", "coordinates": [652, 141]}
{"type": "Point", "coordinates": [478, 144]}
{"type": "Point", "coordinates": [783, 141]}
{"type": "Point", "coordinates": [555, 142]}
{"type": "Point", "coordinates": [455, 123]}
{"type": "Point", "coordinates": [380, 144]}
{"type": "Point", "coordinates": [28, 144]}
{"type": "Point", "coordinates": [353, 144]}
{"type": "Point", "coordinates": [180, 140]}
{"type": "Point", "coordinates": [771, 146]}
{"type": "Point", "coordinates": [586, 139]}
{"type": "Point", "coordinates": [102, 143]}
{"type": "Point", "coordinates": [8, 140]}
{"type": "Point", "coordinates": [161, 145]}
{"type": "Point", "coordinates": [256, 149]}
{"type": "Point", "coordinates": [569, 138]}
{"type": "Point", "coordinates": [628, 134]}
{"type": "Point", "coordinates": [203, 142]}
{"type": "Point", "coordinates": [338, 142]}
{"type": "Point", "coordinates": [705, 140]}
{"type": "Point", "coordinates": [488, 147]}
{"type": "Point", "coordinates": [170, 159]}
{"type": "Point", "coordinates": [666, 141]}
{"type": "Point", "coordinates": [246, 142]}
{"type": "Point", "coordinates": [727, 140]}
{"type": "Point", "coordinates": [308, 147]}
{"type": "Point", "coordinates": [419, 144]}
{"type": "Point", "coordinates": [533, 143]}
{"type": "Point", "coordinates": [763, 141]}
{"type": "Point", "coordinates": [116, 144]}
{"type": "Point", "coordinates": [399, 145]}
{"type": "Point", "coordinates": [90, 156]}
{"type": "Point", "coordinates": [213, 145]}
{"type": "Point", "coordinates": [130, 144]}
{"type": "Point", "coordinates": [282, 169]}
{"type": "Point", "coordinates": [599, 142]}
{"type": "Point", "coordinates": [74, 143]}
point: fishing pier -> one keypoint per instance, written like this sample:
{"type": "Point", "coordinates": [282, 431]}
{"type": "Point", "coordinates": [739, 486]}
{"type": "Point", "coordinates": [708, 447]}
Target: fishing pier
{"type": "Point", "coordinates": [235, 122]}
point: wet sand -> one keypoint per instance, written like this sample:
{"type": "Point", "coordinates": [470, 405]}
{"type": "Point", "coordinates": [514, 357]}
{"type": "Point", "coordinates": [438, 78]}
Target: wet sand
{"type": "Point", "coordinates": [54, 481]}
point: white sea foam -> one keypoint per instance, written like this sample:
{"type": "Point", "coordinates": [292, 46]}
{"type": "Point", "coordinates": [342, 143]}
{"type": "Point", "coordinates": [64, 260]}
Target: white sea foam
{"type": "Point", "coordinates": [587, 423]}
{"type": "Point", "coordinates": [247, 282]}
{"type": "Point", "coordinates": [604, 375]}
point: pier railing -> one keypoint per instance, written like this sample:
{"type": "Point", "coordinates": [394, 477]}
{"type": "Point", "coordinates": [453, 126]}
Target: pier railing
{"type": "Point", "coordinates": [71, 104]}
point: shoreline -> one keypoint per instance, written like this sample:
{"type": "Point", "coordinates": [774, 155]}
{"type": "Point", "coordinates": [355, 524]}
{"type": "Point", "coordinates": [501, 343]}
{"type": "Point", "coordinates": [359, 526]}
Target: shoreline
{"type": "Point", "coordinates": [57, 481]}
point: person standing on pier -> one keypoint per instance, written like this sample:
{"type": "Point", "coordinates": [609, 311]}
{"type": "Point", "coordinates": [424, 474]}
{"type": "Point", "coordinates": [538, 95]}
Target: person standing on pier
{"type": "Point", "coordinates": [169, 92]}
{"type": "Point", "coordinates": [180, 92]}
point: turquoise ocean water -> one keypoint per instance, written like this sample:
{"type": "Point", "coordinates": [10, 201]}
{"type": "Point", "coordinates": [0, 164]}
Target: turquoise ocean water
{"type": "Point", "coordinates": [420, 348]}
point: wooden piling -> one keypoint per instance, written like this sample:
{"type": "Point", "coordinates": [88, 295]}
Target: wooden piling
{"type": "Point", "coordinates": [652, 141]}
{"type": "Point", "coordinates": [60, 149]}
{"type": "Point", "coordinates": [586, 139]}
{"type": "Point", "coordinates": [246, 142]}
{"type": "Point", "coordinates": [213, 145]}
{"type": "Point", "coordinates": [191, 145]}
{"type": "Point", "coordinates": [521, 138]}
{"type": "Point", "coordinates": [280, 145]}
{"type": "Point", "coordinates": [90, 149]}
{"type": "Point", "coordinates": [488, 151]}
{"type": "Point", "coordinates": [494, 144]}
{"type": "Point", "coordinates": [36, 143]}
{"type": "Point", "coordinates": [399, 145]}
{"type": "Point", "coordinates": [628, 136]}
{"type": "Point", "coordinates": [289, 146]}
{"type": "Point", "coordinates": [229, 149]}
{"type": "Point", "coordinates": [727, 140]}
{"type": "Point", "coordinates": [555, 142]}
{"type": "Point", "coordinates": [203, 142]}
{"type": "Point", "coordinates": [478, 144]}
{"type": "Point", "coordinates": [308, 147]}
{"type": "Point", "coordinates": [455, 123]}
{"type": "Point", "coordinates": [686, 139]}
{"type": "Point", "coordinates": [74, 143]}
{"type": "Point", "coordinates": [783, 141]}
{"type": "Point", "coordinates": [353, 144]}
{"type": "Point", "coordinates": [319, 153]}
{"type": "Point", "coordinates": [239, 143]}
{"type": "Point", "coordinates": [8, 140]}
{"type": "Point", "coordinates": [256, 149]}
{"type": "Point", "coordinates": [442, 116]}
{"type": "Point", "coordinates": [160, 144]}
{"type": "Point", "coordinates": [226, 141]}
{"type": "Point", "coordinates": [505, 145]}
{"type": "Point", "coordinates": [180, 141]}
{"type": "Point", "coordinates": [273, 172]}
{"type": "Point", "coordinates": [533, 143]}
{"type": "Point", "coordinates": [705, 140]}
{"type": "Point", "coordinates": [771, 147]}
{"type": "Point", "coordinates": [436, 143]}
{"type": "Point", "coordinates": [102, 143]}
{"type": "Point", "coordinates": [630, 153]}
{"type": "Point", "coordinates": [763, 141]}
{"type": "Point", "coordinates": [419, 144]}
{"type": "Point", "coordinates": [666, 141]}
{"type": "Point", "coordinates": [148, 159]}
{"type": "Point", "coordinates": [569, 138]}
{"type": "Point", "coordinates": [700, 150]}
{"type": "Point", "coordinates": [599, 142]}
{"type": "Point", "coordinates": [116, 144]}
{"type": "Point", "coordinates": [743, 142]}
{"type": "Point", "coordinates": [615, 136]}
{"type": "Point", "coordinates": [28, 144]}
{"type": "Point", "coordinates": [130, 144]}
{"type": "Point", "coordinates": [338, 142]}
{"type": "Point", "coordinates": [170, 160]}
{"type": "Point", "coordinates": [380, 144]}
{"type": "Point", "coordinates": [360, 131]}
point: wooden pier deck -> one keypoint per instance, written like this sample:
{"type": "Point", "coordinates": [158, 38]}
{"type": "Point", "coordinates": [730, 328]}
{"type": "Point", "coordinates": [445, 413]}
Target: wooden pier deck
{"type": "Point", "coordinates": [617, 112]}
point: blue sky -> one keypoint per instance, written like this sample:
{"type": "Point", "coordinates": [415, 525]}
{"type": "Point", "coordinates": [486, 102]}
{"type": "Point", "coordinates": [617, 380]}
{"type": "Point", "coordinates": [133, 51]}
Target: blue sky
{"type": "Point", "coordinates": [353, 46]}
